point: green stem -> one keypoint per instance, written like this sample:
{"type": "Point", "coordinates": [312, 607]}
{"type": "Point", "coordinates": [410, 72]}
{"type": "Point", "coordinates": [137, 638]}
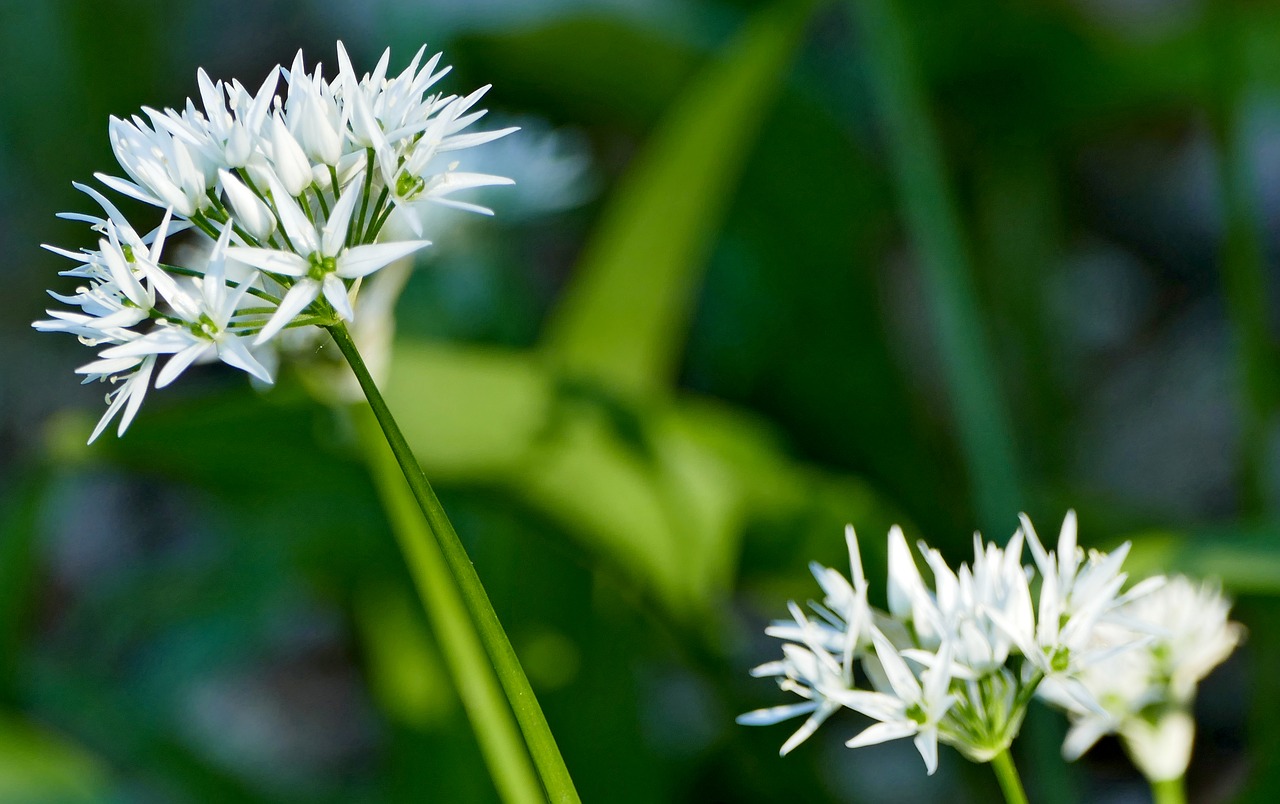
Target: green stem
{"type": "Point", "coordinates": [333, 177]}
{"type": "Point", "coordinates": [324, 205]}
{"type": "Point", "coordinates": [358, 229]}
{"type": "Point", "coordinates": [202, 223]}
{"type": "Point", "coordinates": [1010, 782]}
{"type": "Point", "coordinates": [934, 227]}
{"type": "Point", "coordinates": [542, 745]}
{"type": "Point", "coordinates": [376, 228]}
{"type": "Point", "coordinates": [376, 217]}
{"type": "Point", "coordinates": [478, 688]}
{"type": "Point", "coordinates": [261, 294]}
{"type": "Point", "coordinates": [1169, 791]}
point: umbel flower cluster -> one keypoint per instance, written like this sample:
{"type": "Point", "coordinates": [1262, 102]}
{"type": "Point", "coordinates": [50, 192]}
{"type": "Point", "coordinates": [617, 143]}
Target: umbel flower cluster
{"type": "Point", "coordinates": [1145, 695]}
{"type": "Point", "coordinates": [960, 661]}
{"type": "Point", "coordinates": [291, 188]}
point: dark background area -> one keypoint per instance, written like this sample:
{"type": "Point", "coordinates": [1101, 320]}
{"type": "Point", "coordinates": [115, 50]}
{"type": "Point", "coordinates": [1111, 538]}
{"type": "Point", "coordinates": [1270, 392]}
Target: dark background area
{"type": "Point", "coordinates": [212, 608]}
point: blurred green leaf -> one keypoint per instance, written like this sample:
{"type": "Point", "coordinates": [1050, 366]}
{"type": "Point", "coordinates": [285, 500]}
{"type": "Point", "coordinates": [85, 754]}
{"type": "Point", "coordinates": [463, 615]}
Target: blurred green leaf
{"type": "Point", "coordinates": [40, 768]}
{"type": "Point", "coordinates": [1245, 559]}
{"type": "Point", "coordinates": [405, 671]}
{"type": "Point", "coordinates": [471, 412]}
{"type": "Point", "coordinates": [623, 319]}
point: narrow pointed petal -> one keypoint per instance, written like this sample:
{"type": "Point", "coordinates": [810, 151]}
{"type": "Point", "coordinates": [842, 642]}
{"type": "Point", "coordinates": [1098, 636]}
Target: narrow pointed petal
{"type": "Point", "coordinates": [135, 392]}
{"type": "Point", "coordinates": [129, 189]}
{"type": "Point", "coordinates": [776, 714]}
{"type": "Point", "coordinates": [250, 211]}
{"type": "Point", "coordinates": [301, 232]}
{"type": "Point", "coordinates": [1067, 547]}
{"type": "Point", "coordinates": [336, 292]}
{"type": "Point", "coordinates": [905, 583]}
{"type": "Point", "coordinates": [364, 260]}
{"type": "Point", "coordinates": [882, 733]}
{"type": "Point", "coordinates": [294, 302]}
{"type": "Point", "coordinates": [1038, 552]}
{"type": "Point", "coordinates": [807, 729]}
{"type": "Point", "coordinates": [273, 261]}
{"type": "Point", "coordinates": [927, 744]}
{"type": "Point", "coordinates": [1082, 736]}
{"type": "Point", "coordinates": [904, 683]}
{"type": "Point", "coordinates": [335, 229]}
{"type": "Point", "coordinates": [233, 351]}
{"type": "Point", "coordinates": [855, 558]}
{"type": "Point", "coordinates": [179, 363]}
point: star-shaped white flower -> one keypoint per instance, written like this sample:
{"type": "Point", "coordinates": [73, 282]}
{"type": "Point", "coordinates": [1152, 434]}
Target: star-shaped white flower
{"type": "Point", "coordinates": [911, 707]}
{"type": "Point", "coordinates": [206, 332]}
{"type": "Point", "coordinates": [808, 670]}
{"type": "Point", "coordinates": [319, 261]}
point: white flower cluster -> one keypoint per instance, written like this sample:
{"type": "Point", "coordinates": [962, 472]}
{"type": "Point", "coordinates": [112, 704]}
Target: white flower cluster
{"type": "Point", "coordinates": [960, 661]}
{"type": "Point", "coordinates": [293, 192]}
{"type": "Point", "coordinates": [1146, 694]}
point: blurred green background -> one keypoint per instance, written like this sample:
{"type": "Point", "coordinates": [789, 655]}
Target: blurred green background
{"type": "Point", "coordinates": [768, 269]}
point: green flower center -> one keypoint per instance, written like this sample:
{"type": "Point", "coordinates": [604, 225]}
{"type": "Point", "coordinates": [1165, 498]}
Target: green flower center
{"type": "Point", "coordinates": [409, 185]}
{"type": "Point", "coordinates": [1060, 660]}
{"type": "Point", "coordinates": [916, 713]}
{"type": "Point", "coordinates": [321, 266]}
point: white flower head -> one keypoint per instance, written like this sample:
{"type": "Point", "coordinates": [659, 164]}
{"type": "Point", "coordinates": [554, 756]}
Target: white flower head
{"type": "Point", "coordinates": [909, 706]}
{"type": "Point", "coordinates": [1146, 693]}
{"type": "Point", "coordinates": [297, 188]}
{"type": "Point", "coordinates": [959, 660]}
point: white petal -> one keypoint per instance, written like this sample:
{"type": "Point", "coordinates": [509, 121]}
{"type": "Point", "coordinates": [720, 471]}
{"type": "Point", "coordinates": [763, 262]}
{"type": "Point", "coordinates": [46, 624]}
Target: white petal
{"type": "Point", "coordinates": [129, 188]}
{"type": "Point", "coordinates": [807, 729]}
{"type": "Point", "coordinates": [290, 161]}
{"type": "Point", "coordinates": [1083, 733]}
{"type": "Point", "coordinates": [294, 302]}
{"type": "Point", "coordinates": [335, 229]}
{"type": "Point", "coordinates": [180, 361]}
{"type": "Point", "coordinates": [336, 292]}
{"type": "Point", "coordinates": [927, 744]}
{"type": "Point", "coordinates": [233, 352]}
{"type": "Point", "coordinates": [364, 260]}
{"type": "Point", "coordinates": [904, 578]}
{"type": "Point", "coordinates": [883, 732]}
{"type": "Point", "coordinates": [301, 231]}
{"type": "Point", "coordinates": [776, 714]}
{"type": "Point", "coordinates": [902, 680]}
{"type": "Point", "coordinates": [271, 260]}
{"type": "Point", "coordinates": [250, 211]}
{"type": "Point", "coordinates": [135, 390]}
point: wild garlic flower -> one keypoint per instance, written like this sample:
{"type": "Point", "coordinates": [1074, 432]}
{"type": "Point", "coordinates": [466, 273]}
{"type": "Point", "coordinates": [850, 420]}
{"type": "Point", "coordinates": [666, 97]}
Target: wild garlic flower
{"type": "Point", "coordinates": [958, 661]}
{"type": "Point", "coordinates": [1146, 694]}
{"type": "Point", "coordinates": [291, 194]}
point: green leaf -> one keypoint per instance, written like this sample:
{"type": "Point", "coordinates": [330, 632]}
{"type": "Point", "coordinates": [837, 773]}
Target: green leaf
{"type": "Point", "coordinates": [38, 767]}
{"type": "Point", "coordinates": [622, 321]}
{"type": "Point", "coordinates": [1246, 559]}
{"type": "Point", "coordinates": [469, 412]}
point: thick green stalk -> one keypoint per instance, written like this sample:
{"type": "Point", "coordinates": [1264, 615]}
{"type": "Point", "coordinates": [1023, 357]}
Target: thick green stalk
{"type": "Point", "coordinates": [933, 225]}
{"type": "Point", "coordinates": [533, 724]}
{"type": "Point", "coordinates": [1169, 791]}
{"type": "Point", "coordinates": [1010, 782]}
{"type": "Point", "coordinates": [496, 730]}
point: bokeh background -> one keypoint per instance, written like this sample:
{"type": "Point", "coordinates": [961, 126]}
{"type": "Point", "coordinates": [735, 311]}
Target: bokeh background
{"type": "Point", "coordinates": [767, 270]}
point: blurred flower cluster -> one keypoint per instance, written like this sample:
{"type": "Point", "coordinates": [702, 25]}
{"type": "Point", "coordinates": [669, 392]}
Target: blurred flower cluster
{"type": "Point", "coordinates": [1145, 695]}
{"type": "Point", "coordinates": [959, 661]}
{"type": "Point", "coordinates": [293, 191]}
